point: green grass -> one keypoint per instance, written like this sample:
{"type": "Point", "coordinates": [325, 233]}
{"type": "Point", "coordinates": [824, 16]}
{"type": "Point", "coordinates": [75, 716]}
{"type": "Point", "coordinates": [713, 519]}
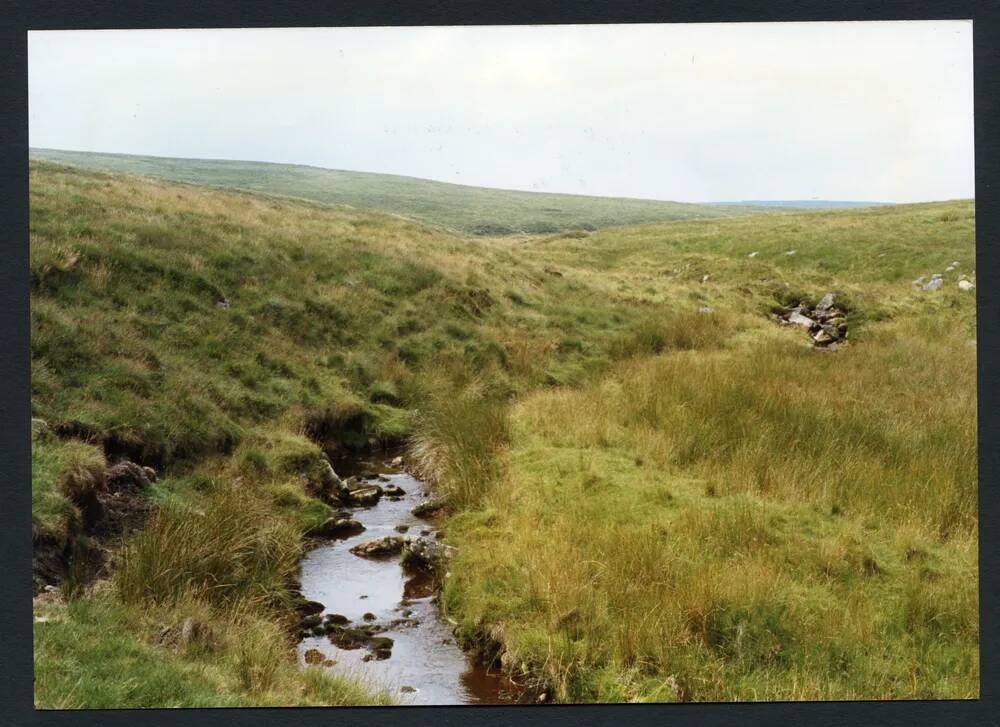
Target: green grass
{"type": "Point", "coordinates": [729, 514]}
{"type": "Point", "coordinates": [97, 654]}
{"type": "Point", "coordinates": [649, 501]}
{"type": "Point", "coordinates": [473, 210]}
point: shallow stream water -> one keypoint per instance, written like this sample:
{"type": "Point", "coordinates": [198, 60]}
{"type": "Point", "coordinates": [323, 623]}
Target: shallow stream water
{"type": "Point", "coordinates": [426, 665]}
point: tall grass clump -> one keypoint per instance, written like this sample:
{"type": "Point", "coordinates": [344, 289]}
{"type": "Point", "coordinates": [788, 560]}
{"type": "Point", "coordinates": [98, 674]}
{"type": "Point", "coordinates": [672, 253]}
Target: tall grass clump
{"type": "Point", "coordinates": [461, 429]}
{"type": "Point", "coordinates": [675, 330]}
{"type": "Point", "coordinates": [227, 550]}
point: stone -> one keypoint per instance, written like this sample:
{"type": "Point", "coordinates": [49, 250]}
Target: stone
{"type": "Point", "coordinates": [40, 428]}
{"type": "Point", "coordinates": [705, 278]}
{"type": "Point", "coordinates": [314, 657]}
{"type": "Point", "coordinates": [949, 268]}
{"type": "Point", "coordinates": [401, 528]}
{"type": "Point", "coordinates": [407, 689]}
{"type": "Point", "coordinates": [919, 282]}
{"type": "Point", "coordinates": [310, 608]}
{"type": "Point", "coordinates": [934, 284]}
{"type": "Point", "coordinates": [791, 252]}
{"type": "Point", "coordinates": [368, 616]}
{"type": "Point", "coordinates": [336, 619]}
{"type": "Point", "coordinates": [427, 555]}
{"type": "Point", "coordinates": [826, 302]}
{"type": "Point", "coordinates": [365, 496]}
{"type": "Point", "coordinates": [223, 304]}
{"type": "Point", "coordinates": [822, 338]}
{"type": "Point", "coordinates": [310, 622]}
{"type": "Point", "coordinates": [194, 632]}
{"type": "Point", "coordinates": [754, 253]}
{"type": "Point", "coordinates": [966, 285]}
{"type": "Point", "coordinates": [381, 546]}
{"type": "Point", "coordinates": [396, 462]}
{"type": "Point", "coordinates": [393, 491]}
{"type": "Point", "coordinates": [338, 527]}
{"type": "Point", "coordinates": [428, 507]}
{"type": "Point", "coordinates": [706, 310]}
{"type": "Point", "coordinates": [797, 319]}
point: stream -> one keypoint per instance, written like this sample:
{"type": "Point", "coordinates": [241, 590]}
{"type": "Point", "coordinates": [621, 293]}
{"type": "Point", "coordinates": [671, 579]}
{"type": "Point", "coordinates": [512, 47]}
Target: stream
{"type": "Point", "coordinates": [426, 665]}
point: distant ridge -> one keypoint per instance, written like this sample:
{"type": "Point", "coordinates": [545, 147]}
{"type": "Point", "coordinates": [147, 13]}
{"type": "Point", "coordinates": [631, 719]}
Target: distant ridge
{"type": "Point", "coordinates": [472, 210]}
{"type": "Point", "coordinates": [801, 203]}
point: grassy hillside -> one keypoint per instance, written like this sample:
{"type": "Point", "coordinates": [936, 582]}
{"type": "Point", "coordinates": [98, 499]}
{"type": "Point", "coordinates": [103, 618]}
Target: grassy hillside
{"type": "Point", "coordinates": [650, 499]}
{"type": "Point", "coordinates": [473, 210]}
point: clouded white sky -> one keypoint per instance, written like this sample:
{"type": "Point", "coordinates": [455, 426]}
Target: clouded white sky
{"type": "Point", "coordinates": [692, 112]}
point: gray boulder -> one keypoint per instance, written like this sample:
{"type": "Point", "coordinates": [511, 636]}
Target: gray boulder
{"type": "Point", "coordinates": [797, 319]}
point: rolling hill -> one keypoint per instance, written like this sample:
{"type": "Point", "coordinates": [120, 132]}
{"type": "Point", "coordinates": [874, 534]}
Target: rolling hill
{"type": "Point", "coordinates": [472, 210]}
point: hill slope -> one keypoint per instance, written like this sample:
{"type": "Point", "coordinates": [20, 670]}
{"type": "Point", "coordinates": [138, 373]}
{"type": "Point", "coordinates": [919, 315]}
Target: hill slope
{"type": "Point", "coordinates": [657, 491]}
{"type": "Point", "coordinates": [474, 210]}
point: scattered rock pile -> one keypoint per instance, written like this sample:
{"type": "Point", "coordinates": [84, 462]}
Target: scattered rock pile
{"type": "Point", "coordinates": [826, 322]}
{"type": "Point", "coordinates": [936, 280]}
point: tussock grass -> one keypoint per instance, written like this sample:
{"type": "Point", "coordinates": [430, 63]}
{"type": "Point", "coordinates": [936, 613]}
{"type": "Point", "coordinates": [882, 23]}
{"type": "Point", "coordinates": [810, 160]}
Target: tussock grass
{"type": "Point", "coordinates": [461, 430]}
{"type": "Point", "coordinates": [225, 550]}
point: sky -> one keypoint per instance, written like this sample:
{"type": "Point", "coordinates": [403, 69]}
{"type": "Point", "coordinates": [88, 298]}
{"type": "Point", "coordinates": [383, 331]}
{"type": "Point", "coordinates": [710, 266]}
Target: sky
{"type": "Point", "coordinates": [879, 111]}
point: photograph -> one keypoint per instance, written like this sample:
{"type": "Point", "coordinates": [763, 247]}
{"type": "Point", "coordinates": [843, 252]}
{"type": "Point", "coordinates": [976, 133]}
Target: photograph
{"type": "Point", "coordinates": [531, 365]}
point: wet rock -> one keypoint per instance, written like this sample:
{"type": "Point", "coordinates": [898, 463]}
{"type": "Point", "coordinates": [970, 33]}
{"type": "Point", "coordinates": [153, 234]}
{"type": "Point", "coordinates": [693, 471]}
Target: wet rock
{"type": "Point", "coordinates": [314, 657]}
{"type": "Point", "coordinates": [401, 528]}
{"type": "Point", "coordinates": [310, 622]}
{"type": "Point", "coordinates": [337, 527]}
{"type": "Point", "coordinates": [427, 555]}
{"type": "Point", "coordinates": [429, 507]}
{"type": "Point", "coordinates": [393, 491]}
{"type": "Point", "coordinates": [406, 689]}
{"type": "Point", "coordinates": [381, 646]}
{"type": "Point", "coordinates": [368, 616]}
{"type": "Point", "coordinates": [336, 619]}
{"type": "Point", "coordinates": [365, 496]}
{"type": "Point", "coordinates": [388, 545]}
{"type": "Point", "coordinates": [310, 608]}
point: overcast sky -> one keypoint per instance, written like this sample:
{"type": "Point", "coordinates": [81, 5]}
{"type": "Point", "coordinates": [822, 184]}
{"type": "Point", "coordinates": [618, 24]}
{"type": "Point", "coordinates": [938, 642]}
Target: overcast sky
{"type": "Point", "coordinates": [860, 111]}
